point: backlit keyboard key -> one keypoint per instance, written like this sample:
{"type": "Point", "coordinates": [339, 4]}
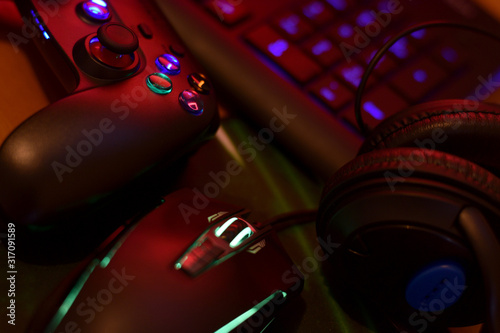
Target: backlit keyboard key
{"type": "Point", "coordinates": [450, 55]}
{"type": "Point", "coordinates": [341, 5]}
{"type": "Point", "coordinates": [403, 49]}
{"type": "Point", "coordinates": [342, 32]}
{"type": "Point", "coordinates": [351, 73]}
{"type": "Point", "coordinates": [419, 78]}
{"type": "Point", "coordinates": [318, 13]}
{"type": "Point", "coordinates": [376, 106]}
{"type": "Point", "coordinates": [288, 56]}
{"type": "Point", "coordinates": [323, 50]}
{"type": "Point", "coordinates": [293, 26]}
{"type": "Point", "coordinates": [332, 92]}
{"type": "Point", "coordinates": [228, 12]}
{"type": "Point", "coordinates": [384, 66]}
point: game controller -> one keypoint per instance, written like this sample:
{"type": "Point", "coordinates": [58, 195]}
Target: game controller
{"type": "Point", "coordinates": [180, 268]}
{"type": "Point", "coordinates": [136, 102]}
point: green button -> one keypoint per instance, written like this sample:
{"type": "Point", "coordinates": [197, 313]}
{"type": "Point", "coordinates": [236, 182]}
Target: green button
{"type": "Point", "coordinates": [159, 83]}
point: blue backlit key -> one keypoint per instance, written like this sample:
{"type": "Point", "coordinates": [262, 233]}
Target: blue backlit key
{"type": "Point", "coordinates": [288, 56]}
{"type": "Point", "coordinates": [332, 92]}
{"type": "Point", "coordinates": [318, 13]}
{"type": "Point", "coordinates": [323, 50]}
{"type": "Point", "coordinates": [293, 26]}
{"type": "Point", "coordinates": [377, 105]}
{"type": "Point", "coordinates": [419, 78]}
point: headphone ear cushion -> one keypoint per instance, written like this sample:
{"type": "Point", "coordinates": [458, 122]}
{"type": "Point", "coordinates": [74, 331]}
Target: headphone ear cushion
{"type": "Point", "coordinates": [459, 127]}
{"type": "Point", "coordinates": [397, 165]}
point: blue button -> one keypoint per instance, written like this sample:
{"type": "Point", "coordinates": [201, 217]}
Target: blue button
{"type": "Point", "coordinates": [169, 64]}
{"type": "Point", "coordinates": [159, 83]}
{"type": "Point", "coordinates": [96, 10]}
{"type": "Point", "coordinates": [191, 102]}
{"type": "Point", "coordinates": [436, 287]}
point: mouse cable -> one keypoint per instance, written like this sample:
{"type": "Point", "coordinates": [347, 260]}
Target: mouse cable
{"type": "Point", "coordinates": [487, 250]}
{"type": "Point", "coordinates": [286, 220]}
{"type": "Point", "coordinates": [383, 50]}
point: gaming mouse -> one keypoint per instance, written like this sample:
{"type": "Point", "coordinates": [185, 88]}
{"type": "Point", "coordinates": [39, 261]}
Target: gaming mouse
{"type": "Point", "coordinates": [190, 265]}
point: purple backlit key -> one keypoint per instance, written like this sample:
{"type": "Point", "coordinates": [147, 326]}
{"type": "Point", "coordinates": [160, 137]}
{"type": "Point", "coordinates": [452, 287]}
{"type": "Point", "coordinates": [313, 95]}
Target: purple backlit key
{"type": "Point", "coordinates": [318, 13]}
{"type": "Point", "coordinates": [323, 50]}
{"type": "Point", "coordinates": [419, 78]}
{"type": "Point", "coordinates": [293, 26]}
{"type": "Point", "coordinates": [332, 92]}
{"type": "Point", "coordinates": [377, 105]}
{"type": "Point", "coordinates": [288, 56]}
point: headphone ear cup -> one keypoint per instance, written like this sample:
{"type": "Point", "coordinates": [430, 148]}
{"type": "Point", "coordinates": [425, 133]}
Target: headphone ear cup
{"type": "Point", "coordinates": [464, 128]}
{"type": "Point", "coordinates": [393, 211]}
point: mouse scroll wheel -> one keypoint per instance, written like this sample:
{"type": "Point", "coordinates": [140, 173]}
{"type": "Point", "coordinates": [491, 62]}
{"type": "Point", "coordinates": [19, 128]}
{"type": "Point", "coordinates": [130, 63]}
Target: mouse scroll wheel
{"type": "Point", "coordinates": [234, 231]}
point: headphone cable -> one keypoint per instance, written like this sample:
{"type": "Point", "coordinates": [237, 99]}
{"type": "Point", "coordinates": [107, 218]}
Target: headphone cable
{"type": "Point", "coordinates": [383, 50]}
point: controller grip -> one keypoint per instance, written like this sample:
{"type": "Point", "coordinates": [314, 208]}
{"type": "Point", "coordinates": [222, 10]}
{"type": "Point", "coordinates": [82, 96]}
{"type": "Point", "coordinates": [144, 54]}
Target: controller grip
{"type": "Point", "coordinates": [86, 145]}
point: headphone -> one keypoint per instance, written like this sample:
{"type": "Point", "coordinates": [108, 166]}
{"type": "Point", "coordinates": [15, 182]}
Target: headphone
{"type": "Point", "coordinates": [417, 214]}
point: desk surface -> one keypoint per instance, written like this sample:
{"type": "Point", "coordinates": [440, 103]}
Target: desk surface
{"type": "Point", "coordinates": [264, 186]}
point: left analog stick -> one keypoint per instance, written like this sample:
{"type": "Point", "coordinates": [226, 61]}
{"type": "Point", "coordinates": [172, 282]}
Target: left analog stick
{"type": "Point", "coordinates": [118, 38]}
{"type": "Point", "coordinates": [110, 53]}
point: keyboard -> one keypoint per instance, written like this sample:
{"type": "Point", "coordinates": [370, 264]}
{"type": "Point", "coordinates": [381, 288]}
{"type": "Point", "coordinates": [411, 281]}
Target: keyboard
{"type": "Point", "coordinates": [293, 67]}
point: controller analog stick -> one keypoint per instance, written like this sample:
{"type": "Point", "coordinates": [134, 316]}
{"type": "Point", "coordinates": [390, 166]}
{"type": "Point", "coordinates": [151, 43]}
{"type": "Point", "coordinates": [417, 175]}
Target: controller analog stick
{"type": "Point", "coordinates": [118, 38]}
{"type": "Point", "coordinates": [110, 53]}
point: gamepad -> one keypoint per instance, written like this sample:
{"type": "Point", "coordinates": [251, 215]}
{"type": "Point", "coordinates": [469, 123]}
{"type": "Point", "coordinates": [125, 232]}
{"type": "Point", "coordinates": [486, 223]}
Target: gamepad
{"type": "Point", "coordinates": [136, 102]}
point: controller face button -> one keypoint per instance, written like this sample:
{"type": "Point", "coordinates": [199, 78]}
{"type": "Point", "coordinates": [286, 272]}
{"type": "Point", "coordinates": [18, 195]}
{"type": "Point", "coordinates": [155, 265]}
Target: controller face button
{"type": "Point", "coordinates": [118, 38]}
{"type": "Point", "coordinates": [191, 102]}
{"type": "Point", "coordinates": [159, 83]}
{"type": "Point", "coordinates": [169, 64]}
{"type": "Point", "coordinates": [200, 83]}
{"type": "Point", "coordinates": [108, 57]}
{"type": "Point", "coordinates": [96, 10]}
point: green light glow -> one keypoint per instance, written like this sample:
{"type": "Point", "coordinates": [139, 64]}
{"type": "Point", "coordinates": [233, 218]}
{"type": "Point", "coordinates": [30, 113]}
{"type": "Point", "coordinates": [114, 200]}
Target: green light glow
{"type": "Point", "coordinates": [105, 261]}
{"type": "Point", "coordinates": [107, 258]}
{"type": "Point", "coordinates": [159, 83]}
{"type": "Point", "coordinates": [220, 230]}
{"type": "Point", "coordinates": [70, 299]}
{"type": "Point", "coordinates": [243, 317]}
{"type": "Point", "coordinates": [244, 234]}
